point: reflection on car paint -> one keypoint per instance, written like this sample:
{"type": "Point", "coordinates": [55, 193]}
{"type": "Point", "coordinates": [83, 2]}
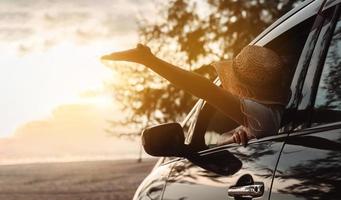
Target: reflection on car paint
{"type": "Point", "coordinates": [152, 187]}
{"type": "Point", "coordinates": [309, 168]}
{"type": "Point", "coordinates": [188, 181]}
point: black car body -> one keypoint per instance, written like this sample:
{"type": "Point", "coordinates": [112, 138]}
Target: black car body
{"type": "Point", "coordinates": [302, 161]}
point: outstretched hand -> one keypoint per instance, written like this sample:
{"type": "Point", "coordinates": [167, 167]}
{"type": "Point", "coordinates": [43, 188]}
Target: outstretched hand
{"type": "Point", "coordinates": [140, 54]}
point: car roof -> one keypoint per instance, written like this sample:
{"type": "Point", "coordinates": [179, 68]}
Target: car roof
{"type": "Point", "coordinates": [282, 19]}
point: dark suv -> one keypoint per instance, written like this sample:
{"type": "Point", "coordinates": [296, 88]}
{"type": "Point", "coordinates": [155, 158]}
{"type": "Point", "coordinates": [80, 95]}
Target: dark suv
{"type": "Point", "coordinates": [301, 161]}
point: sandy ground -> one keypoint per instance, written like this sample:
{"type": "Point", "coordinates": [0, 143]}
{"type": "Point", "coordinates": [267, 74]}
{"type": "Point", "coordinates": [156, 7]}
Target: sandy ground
{"type": "Point", "coordinates": [98, 180]}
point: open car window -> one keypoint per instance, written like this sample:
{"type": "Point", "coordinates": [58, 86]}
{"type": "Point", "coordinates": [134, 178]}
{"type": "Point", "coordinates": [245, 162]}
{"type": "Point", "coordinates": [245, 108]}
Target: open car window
{"type": "Point", "coordinates": [212, 123]}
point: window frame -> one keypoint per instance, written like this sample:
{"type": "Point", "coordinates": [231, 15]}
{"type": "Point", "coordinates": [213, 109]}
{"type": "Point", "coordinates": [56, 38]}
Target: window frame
{"type": "Point", "coordinates": [287, 21]}
{"type": "Point", "coordinates": [193, 114]}
{"type": "Point", "coordinates": [311, 82]}
{"type": "Point", "coordinates": [337, 18]}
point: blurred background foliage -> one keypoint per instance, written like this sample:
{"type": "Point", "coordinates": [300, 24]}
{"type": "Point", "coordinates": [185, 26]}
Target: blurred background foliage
{"type": "Point", "coordinates": [191, 34]}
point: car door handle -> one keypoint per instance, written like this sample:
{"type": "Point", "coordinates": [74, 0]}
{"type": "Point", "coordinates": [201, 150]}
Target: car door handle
{"type": "Point", "coordinates": [247, 191]}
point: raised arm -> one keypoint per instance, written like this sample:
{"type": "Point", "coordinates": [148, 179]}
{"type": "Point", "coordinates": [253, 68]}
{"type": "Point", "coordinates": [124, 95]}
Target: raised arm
{"type": "Point", "coordinates": [191, 82]}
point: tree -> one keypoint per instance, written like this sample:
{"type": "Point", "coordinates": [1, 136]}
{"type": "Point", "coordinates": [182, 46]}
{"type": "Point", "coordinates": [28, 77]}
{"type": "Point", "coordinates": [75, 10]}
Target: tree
{"type": "Point", "coordinates": [191, 34]}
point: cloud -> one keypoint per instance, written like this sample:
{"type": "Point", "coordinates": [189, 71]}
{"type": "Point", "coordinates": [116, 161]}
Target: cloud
{"type": "Point", "coordinates": [14, 17]}
{"type": "Point", "coordinates": [71, 131]}
{"type": "Point", "coordinates": [15, 33]}
{"type": "Point", "coordinates": [120, 23]}
{"type": "Point", "coordinates": [65, 18]}
{"type": "Point", "coordinates": [37, 25]}
{"type": "Point", "coordinates": [68, 121]}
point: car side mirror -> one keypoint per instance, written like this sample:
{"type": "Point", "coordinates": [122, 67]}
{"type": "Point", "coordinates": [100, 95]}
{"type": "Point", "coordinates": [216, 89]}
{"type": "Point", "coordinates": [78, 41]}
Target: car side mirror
{"type": "Point", "coordinates": [164, 140]}
{"type": "Point", "coordinates": [167, 140]}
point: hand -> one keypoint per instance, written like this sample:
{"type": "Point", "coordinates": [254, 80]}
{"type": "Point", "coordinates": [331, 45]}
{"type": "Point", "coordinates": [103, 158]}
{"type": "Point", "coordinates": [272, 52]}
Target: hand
{"type": "Point", "coordinates": [141, 54]}
{"type": "Point", "coordinates": [240, 136]}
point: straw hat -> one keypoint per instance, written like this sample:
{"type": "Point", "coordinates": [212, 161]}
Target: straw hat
{"type": "Point", "coordinates": [255, 73]}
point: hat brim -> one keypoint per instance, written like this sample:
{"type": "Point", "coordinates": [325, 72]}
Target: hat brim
{"type": "Point", "coordinates": [230, 82]}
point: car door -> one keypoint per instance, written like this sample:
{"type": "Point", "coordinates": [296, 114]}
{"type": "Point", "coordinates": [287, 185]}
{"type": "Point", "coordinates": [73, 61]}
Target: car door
{"type": "Point", "coordinates": [259, 158]}
{"type": "Point", "coordinates": [310, 164]}
{"type": "Point", "coordinates": [189, 181]}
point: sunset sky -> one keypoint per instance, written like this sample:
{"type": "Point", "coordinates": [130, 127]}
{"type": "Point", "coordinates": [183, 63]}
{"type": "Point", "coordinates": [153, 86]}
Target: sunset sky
{"type": "Point", "coordinates": [53, 101]}
{"type": "Point", "coordinates": [50, 53]}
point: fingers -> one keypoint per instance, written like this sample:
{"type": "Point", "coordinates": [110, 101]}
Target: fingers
{"type": "Point", "coordinates": [127, 55]}
{"type": "Point", "coordinates": [243, 137]}
{"type": "Point", "coordinates": [139, 55]}
{"type": "Point", "coordinates": [236, 138]}
{"type": "Point", "coordinates": [144, 48]}
{"type": "Point", "coordinates": [139, 45]}
{"type": "Point", "coordinates": [240, 137]}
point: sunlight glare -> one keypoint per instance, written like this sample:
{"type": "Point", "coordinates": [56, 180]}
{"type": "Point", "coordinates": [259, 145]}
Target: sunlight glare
{"type": "Point", "coordinates": [43, 80]}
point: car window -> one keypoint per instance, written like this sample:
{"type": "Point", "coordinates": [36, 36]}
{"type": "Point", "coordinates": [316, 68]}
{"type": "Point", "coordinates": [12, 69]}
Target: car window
{"type": "Point", "coordinates": [295, 47]}
{"type": "Point", "coordinates": [212, 123]}
{"type": "Point", "coordinates": [289, 45]}
{"type": "Point", "coordinates": [327, 107]}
